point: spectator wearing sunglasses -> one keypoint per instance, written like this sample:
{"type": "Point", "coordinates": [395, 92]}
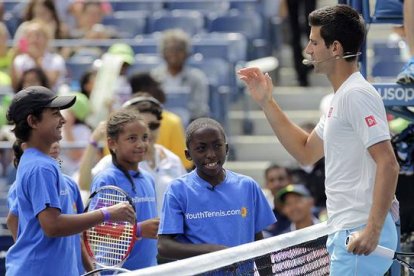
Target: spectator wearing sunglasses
{"type": "Point", "coordinates": [160, 162]}
{"type": "Point", "coordinates": [171, 133]}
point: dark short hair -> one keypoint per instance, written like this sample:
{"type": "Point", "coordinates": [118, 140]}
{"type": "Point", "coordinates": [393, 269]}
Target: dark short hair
{"type": "Point", "coordinates": [341, 23]}
{"type": "Point", "coordinates": [118, 119]}
{"type": "Point", "coordinates": [202, 123]}
{"type": "Point", "coordinates": [41, 75]}
{"type": "Point", "coordinates": [143, 81]}
{"type": "Point", "coordinates": [275, 167]}
{"type": "Point", "coordinates": [85, 78]}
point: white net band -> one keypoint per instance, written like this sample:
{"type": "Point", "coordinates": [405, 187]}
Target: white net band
{"type": "Point", "coordinates": [239, 254]}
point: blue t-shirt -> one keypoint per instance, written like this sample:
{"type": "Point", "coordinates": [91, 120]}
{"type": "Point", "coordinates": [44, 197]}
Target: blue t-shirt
{"type": "Point", "coordinates": [77, 206]}
{"type": "Point", "coordinates": [229, 214]}
{"type": "Point", "coordinates": [145, 250]}
{"type": "Point", "coordinates": [39, 184]}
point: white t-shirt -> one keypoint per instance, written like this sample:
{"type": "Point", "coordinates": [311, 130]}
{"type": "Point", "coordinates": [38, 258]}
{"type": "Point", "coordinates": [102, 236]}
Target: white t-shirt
{"type": "Point", "coordinates": [355, 121]}
{"type": "Point", "coordinates": [168, 166]}
{"type": "Point", "coordinates": [50, 62]}
{"type": "Point", "coordinates": [81, 133]}
{"type": "Point", "coordinates": [269, 197]}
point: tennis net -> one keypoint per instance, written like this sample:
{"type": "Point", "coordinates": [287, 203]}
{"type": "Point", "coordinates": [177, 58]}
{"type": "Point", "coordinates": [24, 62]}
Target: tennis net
{"type": "Point", "coordinates": [302, 252]}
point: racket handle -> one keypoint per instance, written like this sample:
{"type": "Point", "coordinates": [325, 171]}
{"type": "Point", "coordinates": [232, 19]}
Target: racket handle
{"type": "Point", "coordinates": [379, 251]}
{"type": "Point", "coordinates": [384, 252]}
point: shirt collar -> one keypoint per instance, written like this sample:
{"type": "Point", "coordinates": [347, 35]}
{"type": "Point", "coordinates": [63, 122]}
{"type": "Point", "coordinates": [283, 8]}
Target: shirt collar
{"type": "Point", "coordinates": [134, 174]}
{"type": "Point", "coordinates": [206, 184]}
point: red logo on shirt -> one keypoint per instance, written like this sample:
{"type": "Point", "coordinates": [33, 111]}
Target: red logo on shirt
{"type": "Point", "coordinates": [330, 112]}
{"type": "Point", "coordinates": [370, 120]}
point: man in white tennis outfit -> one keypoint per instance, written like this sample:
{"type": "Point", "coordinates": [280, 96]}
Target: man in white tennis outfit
{"type": "Point", "coordinates": [361, 169]}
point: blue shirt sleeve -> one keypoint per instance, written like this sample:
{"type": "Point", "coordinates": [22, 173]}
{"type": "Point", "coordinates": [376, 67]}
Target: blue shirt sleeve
{"type": "Point", "coordinates": [172, 220]}
{"type": "Point", "coordinates": [11, 200]}
{"type": "Point", "coordinates": [264, 215]}
{"type": "Point", "coordinates": [43, 189]}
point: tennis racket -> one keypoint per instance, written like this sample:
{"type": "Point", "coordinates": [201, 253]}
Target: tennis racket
{"type": "Point", "coordinates": [109, 243]}
{"type": "Point", "coordinates": [390, 254]}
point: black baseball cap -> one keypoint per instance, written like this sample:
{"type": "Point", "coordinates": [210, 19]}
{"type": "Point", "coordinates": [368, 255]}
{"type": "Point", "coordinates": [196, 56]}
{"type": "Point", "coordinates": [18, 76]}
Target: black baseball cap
{"type": "Point", "coordinates": [26, 101]}
{"type": "Point", "coordinates": [298, 189]}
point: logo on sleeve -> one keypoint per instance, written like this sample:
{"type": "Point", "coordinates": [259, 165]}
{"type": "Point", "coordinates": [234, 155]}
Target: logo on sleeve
{"type": "Point", "coordinates": [370, 120]}
{"type": "Point", "coordinates": [243, 212]}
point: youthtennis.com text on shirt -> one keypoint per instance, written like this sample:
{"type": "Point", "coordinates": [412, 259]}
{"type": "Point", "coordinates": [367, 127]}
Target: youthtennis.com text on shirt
{"type": "Point", "coordinates": [221, 213]}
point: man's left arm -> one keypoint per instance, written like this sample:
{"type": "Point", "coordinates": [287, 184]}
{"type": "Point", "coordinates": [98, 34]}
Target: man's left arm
{"type": "Point", "coordinates": [384, 189]}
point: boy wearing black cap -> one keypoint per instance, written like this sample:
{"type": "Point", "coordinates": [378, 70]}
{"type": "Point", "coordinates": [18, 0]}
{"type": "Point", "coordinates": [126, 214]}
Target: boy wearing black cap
{"type": "Point", "coordinates": [47, 223]}
{"type": "Point", "coordinates": [297, 206]}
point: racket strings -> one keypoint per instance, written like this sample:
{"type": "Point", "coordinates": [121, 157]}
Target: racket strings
{"type": "Point", "coordinates": [107, 249]}
{"type": "Point", "coordinates": [110, 242]}
{"type": "Point", "coordinates": [106, 199]}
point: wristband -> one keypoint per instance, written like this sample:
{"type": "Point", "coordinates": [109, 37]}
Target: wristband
{"type": "Point", "coordinates": [139, 230]}
{"type": "Point", "coordinates": [105, 214]}
{"type": "Point", "coordinates": [93, 143]}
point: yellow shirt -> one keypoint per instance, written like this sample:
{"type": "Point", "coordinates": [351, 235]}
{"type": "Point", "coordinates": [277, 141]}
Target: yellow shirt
{"type": "Point", "coordinates": [5, 79]}
{"type": "Point", "coordinates": [6, 61]}
{"type": "Point", "coordinates": [172, 137]}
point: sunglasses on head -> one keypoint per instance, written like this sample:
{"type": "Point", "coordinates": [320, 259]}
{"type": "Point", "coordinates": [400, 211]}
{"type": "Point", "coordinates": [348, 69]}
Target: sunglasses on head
{"type": "Point", "coordinates": [154, 125]}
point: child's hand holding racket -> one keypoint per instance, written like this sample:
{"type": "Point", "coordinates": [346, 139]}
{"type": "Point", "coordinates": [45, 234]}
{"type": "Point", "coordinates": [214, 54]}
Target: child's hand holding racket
{"type": "Point", "coordinates": [110, 242]}
{"type": "Point", "coordinates": [149, 228]}
{"type": "Point", "coordinates": [121, 212]}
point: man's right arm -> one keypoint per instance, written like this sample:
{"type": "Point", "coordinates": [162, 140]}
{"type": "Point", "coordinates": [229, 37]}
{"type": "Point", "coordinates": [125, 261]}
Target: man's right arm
{"type": "Point", "coordinates": [304, 147]}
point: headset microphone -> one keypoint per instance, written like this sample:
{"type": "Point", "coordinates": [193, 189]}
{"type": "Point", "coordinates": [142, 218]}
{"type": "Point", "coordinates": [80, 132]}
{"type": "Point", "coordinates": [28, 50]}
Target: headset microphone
{"type": "Point", "coordinates": [309, 62]}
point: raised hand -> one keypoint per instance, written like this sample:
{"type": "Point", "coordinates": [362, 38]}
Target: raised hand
{"type": "Point", "coordinates": [259, 85]}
